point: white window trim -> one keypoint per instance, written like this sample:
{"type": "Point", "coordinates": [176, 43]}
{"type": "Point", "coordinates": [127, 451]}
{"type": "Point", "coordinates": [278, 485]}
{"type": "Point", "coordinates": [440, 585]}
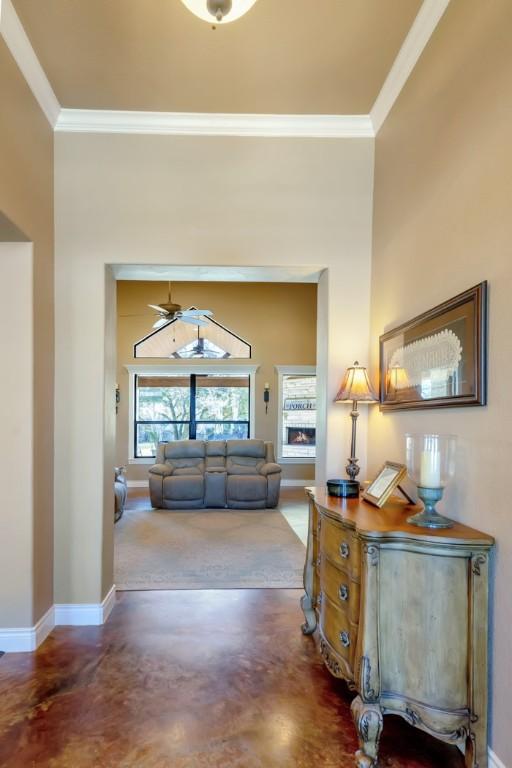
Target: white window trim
{"type": "Point", "coordinates": [185, 369]}
{"type": "Point", "coordinates": [283, 370]}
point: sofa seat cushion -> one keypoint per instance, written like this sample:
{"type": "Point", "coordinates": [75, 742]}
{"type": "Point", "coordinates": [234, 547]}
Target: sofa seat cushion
{"type": "Point", "coordinates": [184, 488]}
{"type": "Point", "coordinates": [246, 488]}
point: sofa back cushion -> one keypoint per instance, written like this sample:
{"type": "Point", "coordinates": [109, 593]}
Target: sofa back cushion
{"type": "Point", "coordinates": [216, 454]}
{"type": "Point", "coordinates": [245, 457]}
{"type": "Point", "coordinates": [251, 448]}
{"type": "Point", "coordinates": [185, 449]}
{"type": "Point", "coordinates": [186, 457]}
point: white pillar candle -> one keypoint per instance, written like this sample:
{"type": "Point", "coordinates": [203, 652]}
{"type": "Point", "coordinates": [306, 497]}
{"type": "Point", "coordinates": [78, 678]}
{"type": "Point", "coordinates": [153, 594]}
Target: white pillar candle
{"type": "Point", "coordinates": [430, 469]}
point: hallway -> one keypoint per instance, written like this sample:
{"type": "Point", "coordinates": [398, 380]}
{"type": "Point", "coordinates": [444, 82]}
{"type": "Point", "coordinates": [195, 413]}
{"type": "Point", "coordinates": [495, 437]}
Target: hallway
{"type": "Point", "coordinates": [189, 679]}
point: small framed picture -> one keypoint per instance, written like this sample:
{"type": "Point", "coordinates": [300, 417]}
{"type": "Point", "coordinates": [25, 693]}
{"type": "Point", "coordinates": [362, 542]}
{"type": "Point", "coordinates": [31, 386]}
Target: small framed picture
{"type": "Point", "coordinates": [388, 478]}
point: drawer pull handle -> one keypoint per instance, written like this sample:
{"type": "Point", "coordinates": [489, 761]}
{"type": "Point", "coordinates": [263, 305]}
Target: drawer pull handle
{"type": "Point", "coordinates": [344, 550]}
{"type": "Point", "coordinates": [343, 592]}
{"type": "Point", "coordinates": [345, 639]}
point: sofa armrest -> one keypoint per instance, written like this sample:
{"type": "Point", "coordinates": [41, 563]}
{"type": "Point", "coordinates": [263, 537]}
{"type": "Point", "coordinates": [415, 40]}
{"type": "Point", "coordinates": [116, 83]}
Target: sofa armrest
{"type": "Point", "coordinates": [270, 469]}
{"type": "Point", "coordinates": [161, 469]}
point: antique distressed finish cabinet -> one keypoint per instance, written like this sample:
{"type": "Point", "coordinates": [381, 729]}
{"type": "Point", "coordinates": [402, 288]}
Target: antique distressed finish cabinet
{"type": "Point", "coordinates": [400, 613]}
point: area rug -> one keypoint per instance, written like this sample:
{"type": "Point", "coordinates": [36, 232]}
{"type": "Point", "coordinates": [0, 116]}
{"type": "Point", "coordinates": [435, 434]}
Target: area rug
{"type": "Point", "coordinates": [206, 549]}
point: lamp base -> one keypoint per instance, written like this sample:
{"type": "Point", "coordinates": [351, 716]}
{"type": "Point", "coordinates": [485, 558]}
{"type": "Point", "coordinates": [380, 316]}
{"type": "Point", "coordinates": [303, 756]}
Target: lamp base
{"type": "Point", "coordinates": [429, 517]}
{"type": "Point", "coordinates": [343, 488]}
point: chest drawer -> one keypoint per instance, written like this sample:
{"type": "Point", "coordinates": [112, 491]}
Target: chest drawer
{"type": "Point", "coordinates": [337, 629]}
{"type": "Point", "coordinates": [340, 589]}
{"type": "Point", "coordinates": [340, 546]}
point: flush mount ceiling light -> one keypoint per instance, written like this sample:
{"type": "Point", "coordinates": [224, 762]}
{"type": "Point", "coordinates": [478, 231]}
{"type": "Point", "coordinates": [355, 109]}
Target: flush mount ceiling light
{"type": "Point", "coordinates": [219, 11]}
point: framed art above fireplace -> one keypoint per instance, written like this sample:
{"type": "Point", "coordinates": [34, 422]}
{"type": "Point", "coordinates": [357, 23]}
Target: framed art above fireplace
{"type": "Point", "coordinates": [438, 359]}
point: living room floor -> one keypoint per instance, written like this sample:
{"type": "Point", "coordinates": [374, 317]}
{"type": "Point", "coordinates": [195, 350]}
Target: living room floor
{"type": "Point", "coordinates": [189, 679]}
{"type": "Point", "coordinates": [211, 548]}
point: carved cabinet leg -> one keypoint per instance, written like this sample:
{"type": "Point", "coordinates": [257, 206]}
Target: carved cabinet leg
{"type": "Point", "coordinates": [476, 750]}
{"type": "Point", "coordinates": [369, 723]}
{"type": "Point", "coordinates": [309, 626]}
{"type": "Point", "coordinates": [307, 602]}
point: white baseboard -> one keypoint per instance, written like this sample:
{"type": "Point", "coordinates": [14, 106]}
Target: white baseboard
{"type": "Point", "coordinates": [23, 639]}
{"type": "Point", "coordinates": [494, 761]}
{"type": "Point", "coordinates": [285, 483]}
{"type": "Point", "coordinates": [85, 614]}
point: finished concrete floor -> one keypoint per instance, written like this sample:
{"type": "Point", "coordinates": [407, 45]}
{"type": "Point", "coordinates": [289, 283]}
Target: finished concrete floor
{"type": "Point", "coordinates": [189, 679]}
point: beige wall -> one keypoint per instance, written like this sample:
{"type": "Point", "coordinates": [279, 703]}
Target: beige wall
{"type": "Point", "coordinates": [442, 223]}
{"type": "Point", "coordinates": [193, 201]}
{"type": "Point", "coordinates": [26, 200]}
{"type": "Point", "coordinates": [278, 320]}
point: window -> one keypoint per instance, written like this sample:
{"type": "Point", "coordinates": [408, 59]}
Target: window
{"type": "Point", "coordinates": [181, 340]}
{"type": "Point", "coordinates": [297, 414]}
{"type": "Point", "coordinates": [195, 406]}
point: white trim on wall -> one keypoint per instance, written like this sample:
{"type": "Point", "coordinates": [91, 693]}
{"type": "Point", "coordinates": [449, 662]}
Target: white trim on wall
{"type": "Point", "coordinates": [215, 124]}
{"type": "Point", "coordinates": [24, 55]}
{"type": "Point", "coordinates": [219, 124]}
{"type": "Point", "coordinates": [185, 368]}
{"type": "Point", "coordinates": [85, 614]}
{"type": "Point", "coordinates": [20, 640]}
{"type": "Point", "coordinates": [427, 19]}
{"type": "Point", "coordinates": [26, 639]}
{"type": "Point", "coordinates": [494, 761]}
{"type": "Point", "coordinates": [284, 483]}
{"type": "Point", "coordinates": [282, 370]}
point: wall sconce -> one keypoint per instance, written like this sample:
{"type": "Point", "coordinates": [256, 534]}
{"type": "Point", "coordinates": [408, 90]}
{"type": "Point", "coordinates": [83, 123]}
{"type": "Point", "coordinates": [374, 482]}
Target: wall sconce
{"type": "Point", "coordinates": [266, 395]}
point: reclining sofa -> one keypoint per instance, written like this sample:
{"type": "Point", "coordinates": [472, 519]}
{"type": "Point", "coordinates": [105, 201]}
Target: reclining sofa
{"type": "Point", "coordinates": [191, 474]}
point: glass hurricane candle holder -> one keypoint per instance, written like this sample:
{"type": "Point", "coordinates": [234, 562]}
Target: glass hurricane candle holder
{"type": "Point", "coordinates": [430, 462]}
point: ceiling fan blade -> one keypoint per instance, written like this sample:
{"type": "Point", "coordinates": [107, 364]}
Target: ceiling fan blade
{"type": "Point", "coordinates": [160, 310]}
{"type": "Point", "coordinates": [196, 312]}
{"type": "Point", "coordinates": [193, 321]}
{"type": "Point", "coordinates": [160, 322]}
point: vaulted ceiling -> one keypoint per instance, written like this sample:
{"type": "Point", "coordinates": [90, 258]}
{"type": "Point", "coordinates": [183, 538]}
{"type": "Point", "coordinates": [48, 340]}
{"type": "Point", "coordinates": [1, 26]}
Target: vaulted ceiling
{"type": "Point", "coordinates": [283, 57]}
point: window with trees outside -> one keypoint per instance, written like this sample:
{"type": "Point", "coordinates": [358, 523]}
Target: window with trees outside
{"type": "Point", "coordinates": [190, 407]}
{"type": "Point", "coordinates": [298, 416]}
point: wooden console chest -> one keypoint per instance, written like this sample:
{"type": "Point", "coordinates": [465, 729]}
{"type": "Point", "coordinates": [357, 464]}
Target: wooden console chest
{"type": "Point", "coordinates": [401, 614]}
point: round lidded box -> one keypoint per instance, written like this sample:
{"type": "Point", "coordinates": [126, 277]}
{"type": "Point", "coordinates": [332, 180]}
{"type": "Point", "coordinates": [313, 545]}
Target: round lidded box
{"type": "Point", "coordinates": [343, 488]}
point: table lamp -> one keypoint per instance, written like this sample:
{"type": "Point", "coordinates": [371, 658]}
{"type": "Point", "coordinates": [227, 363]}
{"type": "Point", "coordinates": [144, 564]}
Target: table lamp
{"type": "Point", "coordinates": [355, 388]}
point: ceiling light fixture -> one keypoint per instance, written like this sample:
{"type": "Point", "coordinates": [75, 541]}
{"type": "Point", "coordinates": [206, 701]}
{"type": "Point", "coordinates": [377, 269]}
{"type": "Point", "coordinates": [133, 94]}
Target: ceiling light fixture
{"type": "Point", "coordinates": [219, 11]}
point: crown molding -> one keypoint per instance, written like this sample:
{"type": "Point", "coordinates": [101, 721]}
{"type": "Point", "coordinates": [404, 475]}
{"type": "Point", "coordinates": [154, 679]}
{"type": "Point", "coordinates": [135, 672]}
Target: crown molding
{"type": "Point", "coordinates": [413, 46]}
{"type": "Point", "coordinates": [21, 49]}
{"type": "Point", "coordinates": [206, 124]}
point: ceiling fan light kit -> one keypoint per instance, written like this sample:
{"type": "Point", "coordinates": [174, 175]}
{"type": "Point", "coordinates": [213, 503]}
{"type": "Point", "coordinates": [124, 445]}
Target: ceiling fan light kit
{"type": "Point", "coordinates": [219, 11]}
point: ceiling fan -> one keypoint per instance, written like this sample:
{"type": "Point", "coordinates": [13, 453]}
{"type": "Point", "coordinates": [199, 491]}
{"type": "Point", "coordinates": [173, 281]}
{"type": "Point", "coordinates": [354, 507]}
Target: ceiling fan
{"type": "Point", "coordinates": [168, 311]}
